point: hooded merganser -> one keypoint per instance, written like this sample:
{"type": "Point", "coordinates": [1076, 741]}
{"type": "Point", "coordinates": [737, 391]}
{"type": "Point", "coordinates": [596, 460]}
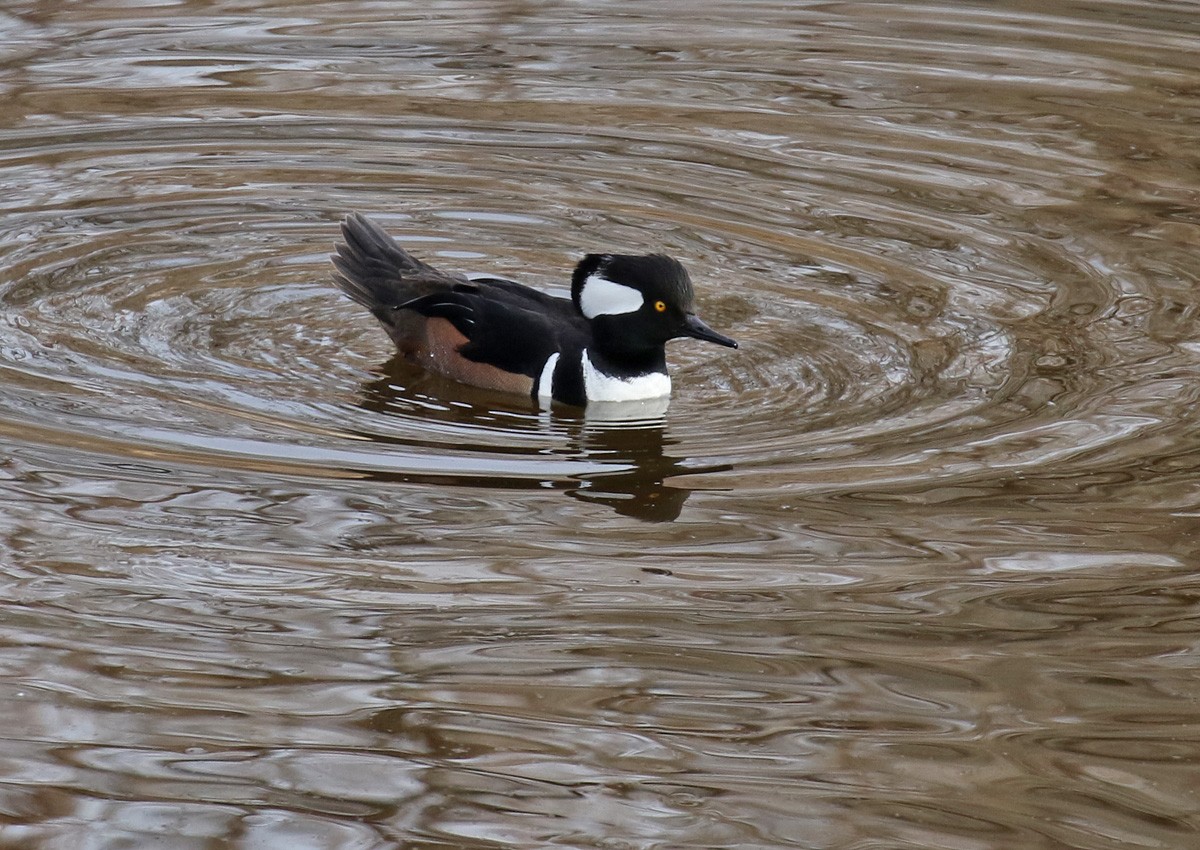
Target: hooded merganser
{"type": "Point", "coordinates": [605, 343]}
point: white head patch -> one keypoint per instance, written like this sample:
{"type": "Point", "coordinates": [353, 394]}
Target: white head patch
{"type": "Point", "coordinates": [600, 296]}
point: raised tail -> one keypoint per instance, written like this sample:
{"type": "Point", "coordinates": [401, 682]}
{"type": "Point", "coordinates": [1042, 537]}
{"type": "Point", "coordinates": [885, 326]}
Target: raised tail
{"type": "Point", "coordinates": [377, 273]}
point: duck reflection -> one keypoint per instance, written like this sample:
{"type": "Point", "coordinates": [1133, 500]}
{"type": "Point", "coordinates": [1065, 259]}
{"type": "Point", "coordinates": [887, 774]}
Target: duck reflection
{"type": "Point", "coordinates": [628, 441]}
{"type": "Point", "coordinates": [639, 490]}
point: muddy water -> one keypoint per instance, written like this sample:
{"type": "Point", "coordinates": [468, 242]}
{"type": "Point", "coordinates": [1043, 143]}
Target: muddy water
{"type": "Point", "coordinates": [915, 567]}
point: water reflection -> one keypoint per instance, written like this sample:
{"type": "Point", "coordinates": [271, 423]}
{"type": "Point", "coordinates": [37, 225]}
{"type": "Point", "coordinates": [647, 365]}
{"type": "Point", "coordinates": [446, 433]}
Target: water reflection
{"type": "Point", "coordinates": [628, 442]}
{"type": "Point", "coordinates": [642, 491]}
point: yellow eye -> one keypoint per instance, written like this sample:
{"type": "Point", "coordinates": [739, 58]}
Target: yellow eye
{"type": "Point", "coordinates": [660, 306]}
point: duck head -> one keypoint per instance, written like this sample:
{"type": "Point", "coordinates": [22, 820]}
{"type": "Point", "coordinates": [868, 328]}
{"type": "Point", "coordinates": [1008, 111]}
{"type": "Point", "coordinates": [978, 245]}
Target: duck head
{"type": "Point", "coordinates": [638, 302]}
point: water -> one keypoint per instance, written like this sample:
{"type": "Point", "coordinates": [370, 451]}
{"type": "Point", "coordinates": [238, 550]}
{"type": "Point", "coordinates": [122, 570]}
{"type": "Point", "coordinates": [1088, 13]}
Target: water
{"type": "Point", "coordinates": [915, 567]}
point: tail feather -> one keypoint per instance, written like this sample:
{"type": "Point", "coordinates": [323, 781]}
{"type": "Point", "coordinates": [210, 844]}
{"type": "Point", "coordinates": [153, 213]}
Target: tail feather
{"type": "Point", "coordinates": [376, 272]}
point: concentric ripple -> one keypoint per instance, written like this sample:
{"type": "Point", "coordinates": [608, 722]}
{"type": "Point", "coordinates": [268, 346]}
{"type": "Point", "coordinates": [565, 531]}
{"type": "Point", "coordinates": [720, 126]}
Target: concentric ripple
{"type": "Point", "coordinates": [174, 297]}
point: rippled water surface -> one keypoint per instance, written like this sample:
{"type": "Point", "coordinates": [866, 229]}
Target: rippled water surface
{"type": "Point", "coordinates": [913, 568]}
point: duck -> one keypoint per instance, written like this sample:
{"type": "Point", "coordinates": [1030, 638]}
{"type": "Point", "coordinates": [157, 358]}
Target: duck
{"type": "Point", "coordinates": [605, 343]}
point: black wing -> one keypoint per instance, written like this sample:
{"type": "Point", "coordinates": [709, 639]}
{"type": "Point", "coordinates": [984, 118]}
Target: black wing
{"type": "Point", "coordinates": [527, 296]}
{"type": "Point", "coordinates": [509, 330]}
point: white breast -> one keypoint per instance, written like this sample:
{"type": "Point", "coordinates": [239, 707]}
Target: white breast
{"type": "Point", "coordinates": [599, 386]}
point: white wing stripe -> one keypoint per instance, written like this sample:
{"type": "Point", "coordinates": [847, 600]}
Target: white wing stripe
{"type": "Point", "coordinates": [546, 379]}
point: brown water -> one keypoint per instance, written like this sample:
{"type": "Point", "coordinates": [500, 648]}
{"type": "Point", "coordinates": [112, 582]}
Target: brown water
{"type": "Point", "coordinates": [914, 568]}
